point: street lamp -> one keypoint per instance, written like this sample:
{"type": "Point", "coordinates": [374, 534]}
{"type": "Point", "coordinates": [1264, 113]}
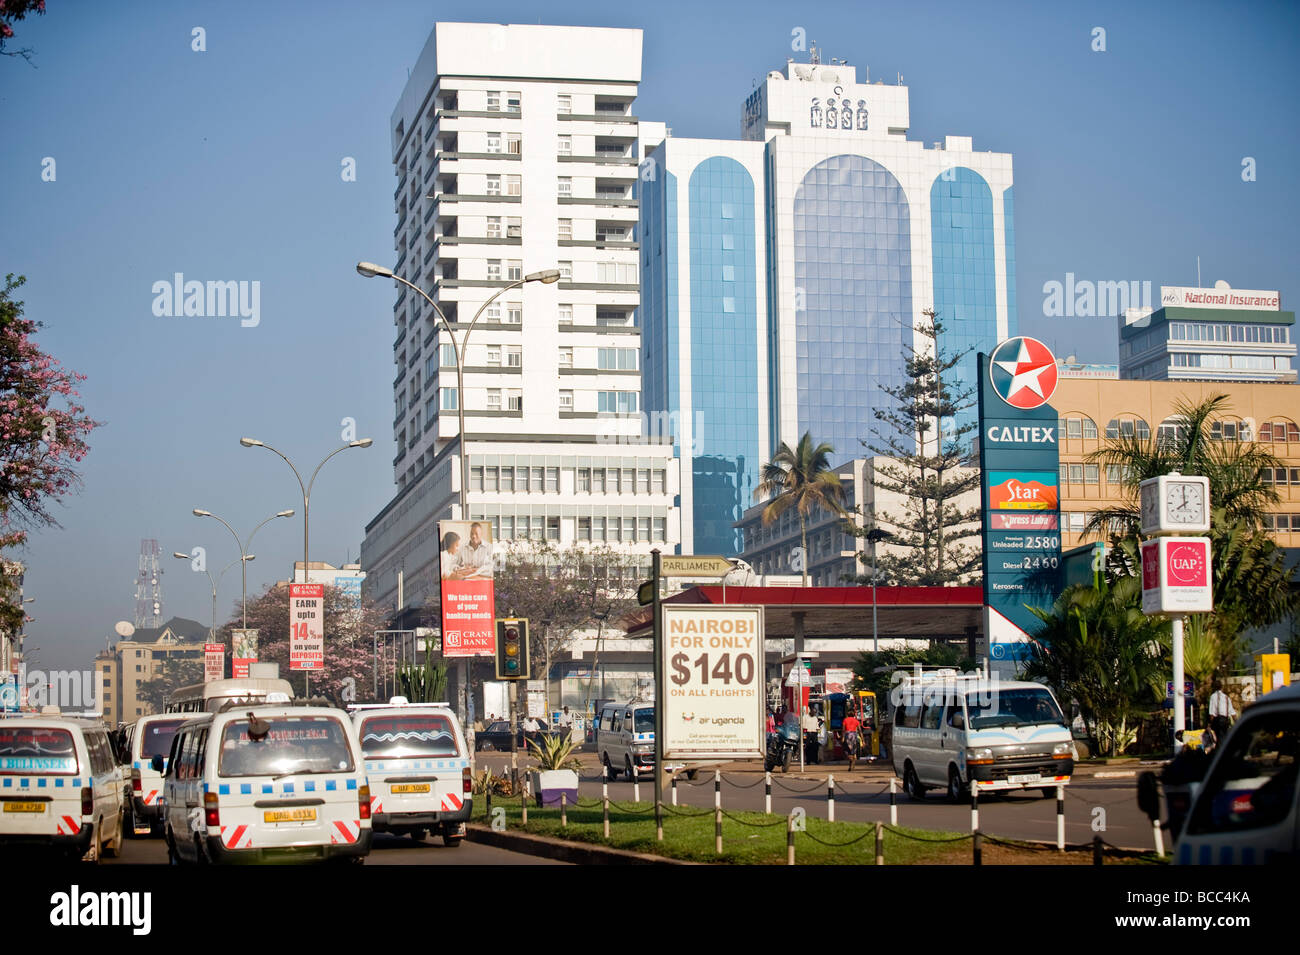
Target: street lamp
{"type": "Point", "coordinates": [306, 506]}
{"type": "Point", "coordinates": [546, 277]}
{"type": "Point", "coordinates": [216, 582]}
{"type": "Point", "coordinates": [875, 536]}
{"type": "Point", "coordinates": [243, 549]}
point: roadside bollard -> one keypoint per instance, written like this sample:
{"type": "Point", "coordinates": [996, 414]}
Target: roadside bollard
{"type": "Point", "coordinates": [978, 849]}
{"type": "Point", "coordinates": [880, 843]}
{"type": "Point", "coordinates": [487, 796]}
{"type": "Point", "coordinates": [974, 807]}
{"type": "Point", "coordinates": [674, 789]}
{"type": "Point", "coordinates": [604, 798]}
{"type": "Point", "coordinates": [717, 831]}
{"type": "Point", "coordinates": [767, 794]}
{"type": "Point", "coordinates": [1098, 858]}
{"type": "Point", "coordinates": [564, 810]}
{"type": "Point", "coordinates": [893, 801]}
{"type": "Point", "coordinates": [789, 839]}
{"type": "Point", "coordinates": [830, 797]}
{"type": "Point", "coordinates": [1060, 818]}
{"type": "Point", "coordinates": [523, 797]}
{"type": "Point", "coordinates": [636, 783]}
{"type": "Point", "coordinates": [1160, 836]}
{"type": "Point", "coordinates": [717, 789]}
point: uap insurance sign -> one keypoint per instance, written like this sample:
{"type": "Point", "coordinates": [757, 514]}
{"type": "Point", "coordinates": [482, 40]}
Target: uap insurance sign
{"type": "Point", "coordinates": [712, 682]}
{"type": "Point", "coordinates": [1176, 575]}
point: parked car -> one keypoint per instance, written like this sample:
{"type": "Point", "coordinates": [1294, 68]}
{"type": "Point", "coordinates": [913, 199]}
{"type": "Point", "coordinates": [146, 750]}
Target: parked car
{"type": "Point", "coordinates": [496, 736]}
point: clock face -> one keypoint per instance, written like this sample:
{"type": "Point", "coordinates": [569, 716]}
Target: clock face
{"type": "Point", "coordinates": [1186, 503]}
{"type": "Point", "coordinates": [1150, 505]}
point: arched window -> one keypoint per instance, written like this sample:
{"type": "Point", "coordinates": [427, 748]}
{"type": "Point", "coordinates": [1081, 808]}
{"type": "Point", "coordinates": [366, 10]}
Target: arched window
{"type": "Point", "coordinates": [1078, 427]}
{"type": "Point", "coordinates": [1128, 426]}
{"type": "Point", "coordinates": [1171, 429]}
{"type": "Point", "coordinates": [1231, 429]}
{"type": "Point", "coordinates": [1280, 431]}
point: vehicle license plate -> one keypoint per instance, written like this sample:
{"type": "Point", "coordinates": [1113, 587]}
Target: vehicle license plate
{"type": "Point", "coordinates": [410, 788]}
{"type": "Point", "coordinates": [24, 807]}
{"type": "Point", "coordinates": [1025, 778]}
{"type": "Point", "coordinates": [290, 815]}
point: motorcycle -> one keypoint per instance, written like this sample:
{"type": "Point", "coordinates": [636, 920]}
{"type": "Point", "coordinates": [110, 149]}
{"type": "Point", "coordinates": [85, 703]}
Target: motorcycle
{"type": "Point", "coordinates": [783, 744]}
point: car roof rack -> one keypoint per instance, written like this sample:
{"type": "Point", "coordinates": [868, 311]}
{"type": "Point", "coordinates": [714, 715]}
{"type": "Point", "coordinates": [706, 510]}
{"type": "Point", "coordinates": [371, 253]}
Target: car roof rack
{"type": "Point", "coordinates": [297, 701]}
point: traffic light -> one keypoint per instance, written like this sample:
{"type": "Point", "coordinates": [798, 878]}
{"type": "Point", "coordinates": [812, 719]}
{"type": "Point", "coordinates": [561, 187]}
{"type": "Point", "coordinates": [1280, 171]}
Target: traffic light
{"type": "Point", "coordinates": [512, 649]}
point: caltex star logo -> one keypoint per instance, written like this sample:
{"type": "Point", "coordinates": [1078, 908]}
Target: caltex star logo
{"type": "Point", "coordinates": [1023, 372]}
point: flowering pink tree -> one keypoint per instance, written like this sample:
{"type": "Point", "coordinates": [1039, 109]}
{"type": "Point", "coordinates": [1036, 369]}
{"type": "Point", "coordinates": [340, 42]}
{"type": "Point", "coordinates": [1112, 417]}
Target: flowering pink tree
{"type": "Point", "coordinates": [11, 11]}
{"type": "Point", "coordinates": [43, 434]}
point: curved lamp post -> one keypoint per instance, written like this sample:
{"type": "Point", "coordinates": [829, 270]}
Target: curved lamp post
{"type": "Point", "coordinates": [306, 506]}
{"type": "Point", "coordinates": [216, 582]}
{"type": "Point", "coordinates": [243, 550]}
{"type": "Point", "coordinates": [546, 277]}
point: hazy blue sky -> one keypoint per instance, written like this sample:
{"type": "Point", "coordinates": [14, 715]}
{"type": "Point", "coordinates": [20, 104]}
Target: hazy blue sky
{"type": "Point", "coordinates": [224, 165]}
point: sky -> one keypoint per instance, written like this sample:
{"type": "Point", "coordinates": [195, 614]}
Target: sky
{"type": "Point", "coordinates": [225, 164]}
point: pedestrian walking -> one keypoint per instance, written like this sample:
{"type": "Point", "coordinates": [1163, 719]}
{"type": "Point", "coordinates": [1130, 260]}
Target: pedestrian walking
{"type": "Point", "coordinates": [1222, 712]}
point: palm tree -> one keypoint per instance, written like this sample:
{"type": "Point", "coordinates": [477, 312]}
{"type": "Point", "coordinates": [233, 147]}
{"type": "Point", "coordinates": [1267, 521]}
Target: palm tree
{"type": "Point", "coordinates": [1233, 467]}
{"type": "Point", "coordinates": [1097, 647]}
{"type": "Point", "coordinates": [800, 478]}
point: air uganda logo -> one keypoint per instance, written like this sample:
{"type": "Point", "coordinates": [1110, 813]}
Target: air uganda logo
{"type": "Point", "coordinates": [1023, 372]}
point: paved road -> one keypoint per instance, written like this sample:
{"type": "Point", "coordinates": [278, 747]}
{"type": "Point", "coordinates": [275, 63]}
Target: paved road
{"type": "Point", "coordinates": [387, 850]}
{"type": "Point", "coordinates": [863, 795]}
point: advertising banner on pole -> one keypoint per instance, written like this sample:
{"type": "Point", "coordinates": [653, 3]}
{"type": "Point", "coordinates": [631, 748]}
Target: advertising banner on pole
{"type": "Point", "coordinates": [713, 688]}
{"type": "Point", "coordinates": [306, 626]}
{"type": "Point", "coordinates": [1176, 575]}
{"type": "Point", "coordinates": [468, 599]}
{"type": "Point", "coordinates": [243, 645]}
{"type": "Point", "coordinates": [214, 661]}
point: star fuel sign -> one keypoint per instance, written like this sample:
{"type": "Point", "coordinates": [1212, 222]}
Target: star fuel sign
{"type": "Point", "coordinates": [1023, 372]}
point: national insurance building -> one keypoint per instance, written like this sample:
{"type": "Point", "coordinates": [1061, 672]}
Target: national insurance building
{"type": "Point", "coordinates": [782, 275]}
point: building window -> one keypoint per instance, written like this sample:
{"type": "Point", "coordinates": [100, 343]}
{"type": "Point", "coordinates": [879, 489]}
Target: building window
{"type": "Point", "coordinates": [616, 273]}
{"type": "Point", "coordinates": [566, 274]}
{"type": "Point", "coordinates": [448, 356]}
{"type": "Point", "coordinates": [476, 478]}
{"type": "Point", "coordinates": [612, 482]}
{"type": "Point", "coordinates": [553, 480]}
{"type": "Point", "coordinates": [514, 270]}
{"type": "Point", "coordinates": [657, 485]}
{"type": "Point", "coordinates": [494, 227]}
{"type": "Point", "coordinates": [617, 402]}
{"type": "Point", "coordinates": [494, 185]}
{"type": "Point", "coordinates": [490, 479]}
{"type": "Point", "coordinates": [494, 355]}
{"type": "Point", "coordinates": [1091, 474]}
{"type": "Point", "coordinates": [514, 186]}
{"type": "Point", "coordinates": [514, 313]}
{"type": "Point", "coordinates": [514, 144]}
{"type": "Point", "coordinates": [514, 356]}
{"type": "Point", "coordinates": [494, 99]}
{"type": "Point", "coordinates": [643, 481]}
{"type": "Point", "coordinates": [564, 314]}
{"type": "Point", "coordinates": [584, 528]}
{"type": "Point", "coordinates": [660, 529]}
{"type": "Point", "coordinates": [507, 479]}
{"type": "Point", "coordinates": [514, 228]}
{"type": "Point", "coordinates": [643, 529]}
{"type": "Point", "coordinates": [566, 400]}
{"type": "Point", "coordinates": [564, 145]}
{"type": "Point", "coordinates": [566, 359]}
{"type": "Point", "coordinates": [448, 399]}
{"type": "Point", "coordinates": [514, 400]}
{"type": "Point", "coordinates": [565, 230]}
{"type": "Point", "coordinates": [494, 142]}
{"type": "Point", "coordinates": [597, 480]}
{"type": "Point", "coordinates": [1170, 430]}
{"type": "Point", "coordinates": [552, 528]}
{"type": "Point", "coordinates": [564, 186]}
{"type": "Point", "coordinates": [1279, 432]}
{"type": "Point", "coordinates": [537, 480]}
{"type": "Point", "coordinates": [1128, 428]}
{"type": "Point", "coordinates": [494, 270]}
{"type": "Point", "coordinates": [563, 103]}
{"type": "Point", "coordinates": [494, 399]}
{"type": "Point", "coordinates": [583, 478]}
{"type": "Point", "coordinates": [513, 101]}
{"type": "Point", "coordinates": [616, 359]}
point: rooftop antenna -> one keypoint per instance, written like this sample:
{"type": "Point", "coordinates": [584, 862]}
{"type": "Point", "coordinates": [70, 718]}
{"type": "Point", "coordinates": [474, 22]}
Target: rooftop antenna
{"type": "Point", "coordinates": [814, 54]}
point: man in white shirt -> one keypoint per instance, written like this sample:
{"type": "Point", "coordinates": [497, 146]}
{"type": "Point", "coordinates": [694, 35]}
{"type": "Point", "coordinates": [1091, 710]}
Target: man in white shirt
{"type": "Point", "coordinates": [476, 556]}
{"type": "Point", "coordinates": [1222, 712]}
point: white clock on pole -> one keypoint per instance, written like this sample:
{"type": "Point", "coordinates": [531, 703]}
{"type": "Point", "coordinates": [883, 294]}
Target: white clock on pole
{"type": "Point", "coordinates": [1175, 504]}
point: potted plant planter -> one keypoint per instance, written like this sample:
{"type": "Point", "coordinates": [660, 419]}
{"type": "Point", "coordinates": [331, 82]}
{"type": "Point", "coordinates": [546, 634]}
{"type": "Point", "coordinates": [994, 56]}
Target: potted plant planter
{"type": "Point", "coordinates": [549, 785]}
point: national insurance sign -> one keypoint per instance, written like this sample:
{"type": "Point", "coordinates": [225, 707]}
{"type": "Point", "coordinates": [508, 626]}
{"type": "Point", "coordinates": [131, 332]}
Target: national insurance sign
{"type": "Point", "coordinates": [1020, 476]}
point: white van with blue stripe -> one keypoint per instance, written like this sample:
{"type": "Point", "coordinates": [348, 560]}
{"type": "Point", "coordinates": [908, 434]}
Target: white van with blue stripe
{"type": "Point", "coordinates": [419, 768]}
{"type": "Point", "coordinates": [60, 786]}
{"type": "Point", "coordinates": [266, 782]}
{"type": "Point", "coordinates": [146, 738]}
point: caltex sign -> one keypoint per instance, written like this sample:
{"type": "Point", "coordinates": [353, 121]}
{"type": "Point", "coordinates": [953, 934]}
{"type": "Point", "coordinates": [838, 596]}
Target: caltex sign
{"type": "Point", "coordinates": [1023, 372]}
{"type": "Point", "coordinates": [1176, 575]}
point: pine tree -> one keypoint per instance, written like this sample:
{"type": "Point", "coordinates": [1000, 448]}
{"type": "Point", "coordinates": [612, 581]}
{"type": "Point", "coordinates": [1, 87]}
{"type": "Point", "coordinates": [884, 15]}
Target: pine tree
{"type": "Point", "coordinates": [931, 468]}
